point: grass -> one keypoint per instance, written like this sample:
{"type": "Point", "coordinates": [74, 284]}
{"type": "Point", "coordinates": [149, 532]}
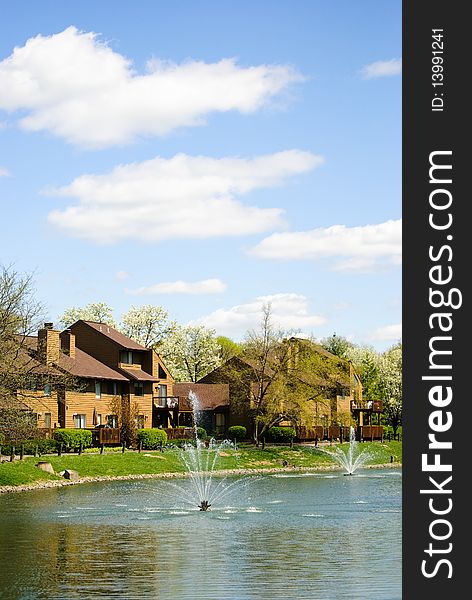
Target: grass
{"type": "Point", "coordinates": [134, 463]}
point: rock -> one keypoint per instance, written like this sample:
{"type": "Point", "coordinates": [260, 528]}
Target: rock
{"type": "Point", "coordinates": [45, 466]}
{"type": "Point", "coordinates": [71, 475]}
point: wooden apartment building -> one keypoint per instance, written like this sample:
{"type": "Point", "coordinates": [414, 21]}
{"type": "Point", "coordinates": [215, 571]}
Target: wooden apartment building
{"type": "Point", "coordinates": [104, 366]}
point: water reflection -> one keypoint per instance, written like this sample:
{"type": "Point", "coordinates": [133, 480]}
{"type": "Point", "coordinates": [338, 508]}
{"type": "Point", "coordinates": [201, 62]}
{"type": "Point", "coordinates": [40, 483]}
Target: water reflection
{"type": "Point", "coordinates": [313, 538]}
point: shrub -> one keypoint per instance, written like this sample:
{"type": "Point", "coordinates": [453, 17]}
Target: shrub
{"type": "Point", "coordinates": [151, 439]}
{"type": "Point", "coordinates": [42, 446]}
{"type": "Point", "coordinates": [73, 438]}
{"type": "Point", "coordinates": [2, 438]}
{"type": "Point", "coordinates": [201, 433]}
{"type": "Point", "coordinates": [280, 434]}
{"type": "Point", "coordinates": [237, 432]}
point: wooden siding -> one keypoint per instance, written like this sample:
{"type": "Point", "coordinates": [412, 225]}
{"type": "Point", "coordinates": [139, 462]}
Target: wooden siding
{"type": "Point", "coordinates": [97, 345]}
{"type": "Point", "coordinates": [84, 403]}
{"type": "Point", "coordinates": [41, 404]}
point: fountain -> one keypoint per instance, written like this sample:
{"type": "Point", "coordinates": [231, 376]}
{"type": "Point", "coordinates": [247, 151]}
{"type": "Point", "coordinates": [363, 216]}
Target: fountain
{"type": "Point", "coordinates": [352, 459]}
{"type": "Point", "coordinates": [200, 460]}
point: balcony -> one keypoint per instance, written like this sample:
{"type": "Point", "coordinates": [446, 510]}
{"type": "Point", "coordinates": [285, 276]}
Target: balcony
{"type": "Point", "coordinates": [367, 406]}
{"type": "Point", "coordinates": [166, 402]}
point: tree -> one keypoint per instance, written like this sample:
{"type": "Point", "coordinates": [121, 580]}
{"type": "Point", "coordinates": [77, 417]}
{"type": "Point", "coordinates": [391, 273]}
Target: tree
{"type": "Point", "coordinates": [390, 370]}
{"type": "Point", "coordinates": [20, 370]}
{"type": "Point", "coordinates": [366, 362]}
{"type": "Point", "coordinates": [265, 357]}
{"type": "Point", "coordinates": [228, 348]}
{"type": "Point", "coordinates": [148, 325]}
{"type": "Point", "coordinates": [98, 312]}
{"type": "Point", "coordinates": [20, 315]}
{"type": "Point", "coordinates": [317, 378]}
{"type": "Point", "coordinates": [338, 345]}
{"type": "Point", "coordinates": [126, 412]}
{"type": "Point", "coordinates": [190, 352]}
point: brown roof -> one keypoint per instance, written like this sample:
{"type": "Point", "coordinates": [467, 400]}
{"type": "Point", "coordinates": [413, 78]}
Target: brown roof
{"type": "Point", "coordinates": [139, 375]}
{"type": "Point", "coordinates": [210, 395]}
{"type": "Point", "coordinates": [116, 336]}
{"type": "Point", "coordinates": [84, 365]}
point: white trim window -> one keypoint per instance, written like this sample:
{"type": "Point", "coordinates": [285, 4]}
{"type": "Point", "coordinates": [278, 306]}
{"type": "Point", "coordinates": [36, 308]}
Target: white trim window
{"type": "Point", "coordinates": [80, 421]}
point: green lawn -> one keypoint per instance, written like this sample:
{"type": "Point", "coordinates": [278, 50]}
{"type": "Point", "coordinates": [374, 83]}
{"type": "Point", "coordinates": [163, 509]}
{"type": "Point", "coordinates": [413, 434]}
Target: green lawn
{"type": "Point", "coordinates": [134, 463]}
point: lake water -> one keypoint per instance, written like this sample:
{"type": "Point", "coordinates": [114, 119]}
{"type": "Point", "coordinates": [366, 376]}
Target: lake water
{"type": "Point", "coordinates": [295, 537]}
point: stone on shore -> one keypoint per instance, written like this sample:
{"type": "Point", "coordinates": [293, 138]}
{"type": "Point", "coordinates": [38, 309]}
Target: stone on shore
{"type": "Point", "coordinates": [71, 475]}
{"type": "Point", "coordinates": [45, 466]}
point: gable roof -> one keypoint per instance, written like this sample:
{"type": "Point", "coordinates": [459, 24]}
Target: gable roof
{"type": "Point", "coordinates": [119, 338]}
{"type": "Point", "coordinates": [210, 395]}
{"type": "Point", "coordinates": [83, 365]}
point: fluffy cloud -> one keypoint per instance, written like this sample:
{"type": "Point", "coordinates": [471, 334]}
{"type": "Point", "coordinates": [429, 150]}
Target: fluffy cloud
{"type": "Point", "coordinates": [181, 197]}
{"type": "Point", "coordinates": [382, 68]}
{"type": "Point", "coordinates": [387, 333]}
{"type": "Point", "coordinates": [76, 87]}
{"type": "Point", "coordinates": [289, 311]}
{"type": "Point", "coordinates": [4, 172]}
{"type": "Point", "coordinates": [206, 286]}
{"type": "Point", "coordinates": [361, 248]}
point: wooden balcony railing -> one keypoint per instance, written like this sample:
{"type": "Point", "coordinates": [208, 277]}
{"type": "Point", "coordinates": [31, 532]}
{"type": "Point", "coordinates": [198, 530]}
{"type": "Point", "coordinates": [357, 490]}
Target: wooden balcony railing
{"type": "Point", "coordinates": [370, 432]}
{"type": "Point", "coordinates": [105, 435]}
{"type": "Point", "coordinates": [365, 405]}
{"type": "Point", "coordinates": [169, 402]}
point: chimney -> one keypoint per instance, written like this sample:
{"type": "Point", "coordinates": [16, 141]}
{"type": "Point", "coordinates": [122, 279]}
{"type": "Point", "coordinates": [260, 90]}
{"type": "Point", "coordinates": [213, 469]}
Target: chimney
{"type": "Point", "coordinates": [48, 344]}
{"type": "Point", "coordinates": [68, 343]}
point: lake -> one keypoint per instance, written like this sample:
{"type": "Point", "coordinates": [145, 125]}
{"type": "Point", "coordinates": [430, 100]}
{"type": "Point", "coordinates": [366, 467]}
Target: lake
{"type": "Point", "coordinates": [320, 536]}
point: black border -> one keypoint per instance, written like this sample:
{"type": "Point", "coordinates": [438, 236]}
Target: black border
{"type": "Point", "coordinates": [426, 131]}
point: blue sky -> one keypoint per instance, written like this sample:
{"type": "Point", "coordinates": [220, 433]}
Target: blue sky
{"type": "Point", "coordinates": [207, 157]}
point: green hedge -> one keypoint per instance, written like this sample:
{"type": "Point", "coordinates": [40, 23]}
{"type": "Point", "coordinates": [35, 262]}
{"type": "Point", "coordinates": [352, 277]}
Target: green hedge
{"type": "Point", "coordinates": [280, 434]}
{"type": "Point", "coordinates": [237, 432]}
{"type": "Point", "coordinates": [30, 447]}
{"type": "Point", "coordinates": [73, 438]}
{"type": "Point", "coordinates": [151, 439]}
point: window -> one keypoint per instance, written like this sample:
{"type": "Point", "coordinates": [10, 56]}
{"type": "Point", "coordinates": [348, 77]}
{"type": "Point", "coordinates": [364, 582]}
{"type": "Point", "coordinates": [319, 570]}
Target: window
{"type": "Point", "coordinates": [140, 421]}
{"type": "Point", "coordinates": [138, 388]}
{"type": "Point", "coordinates": [47, 420]}
{"type": "Point", "coordinates": [219, 422]}
{"type": "Point", "coordinates": [98, 390]}
{"type": "Point", "coordinates": [99, 419]}
{"type": "Point", "coordinates": [47, 389]}
{"type": "Point", "coordinates": [162, 373]}
{"type": "Point", "coordinates": [126, 357]}
{"type": "Point", "coordinates": [112, 421]}
{"type": "Point", "coordinates": [79, 421]}
{"type": "Point", "coordinates": [162, 391]}
{"type": "Point", "coordinates": [113, 388]}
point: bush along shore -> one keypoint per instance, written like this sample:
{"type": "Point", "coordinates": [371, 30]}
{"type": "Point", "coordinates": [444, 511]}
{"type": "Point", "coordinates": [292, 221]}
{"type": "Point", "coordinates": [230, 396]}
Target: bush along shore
{"type": "Point", "coordinates": [114, 464]}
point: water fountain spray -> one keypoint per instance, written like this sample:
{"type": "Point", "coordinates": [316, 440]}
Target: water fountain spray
{"type": "Point", "coordinates": [352, 459]}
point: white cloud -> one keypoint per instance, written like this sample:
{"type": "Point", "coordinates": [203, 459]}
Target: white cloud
{"type": "Point", "coordinates": [362, 248]}
{"type": "Point", "coordinates": [206, 286]}
{"type": "Point", "coordinates": [289, 311]}
{"type": "Point", "coordinates": [4, 172]}
{"type": "Point", "coordinates": [382, 68]}
{"type": "Point", "coordinates": [181, 197]}
{"type": "Point", "coordinates": [120, 275]}
{"type": "Point", "coordinates": [387, 333]}
{"type": "Point", "coordinates": [76, 87]}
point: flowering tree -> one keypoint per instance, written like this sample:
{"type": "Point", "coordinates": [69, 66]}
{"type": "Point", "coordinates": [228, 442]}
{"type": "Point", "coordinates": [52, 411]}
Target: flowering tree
{"type": "Point", "coordinates": [98, 312]}
{"type": "Point", "coordinates": [366, 362]}
{"type": "Point", "coordinates": [190, 352]}
{"type": "Point", "coordinates": [148, 325]}
{"type": "Point", "coordinates": [390, 371]}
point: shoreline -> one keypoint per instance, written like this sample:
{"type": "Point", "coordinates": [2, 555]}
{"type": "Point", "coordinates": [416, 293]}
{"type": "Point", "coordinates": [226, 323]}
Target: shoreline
{"type": "Point", "coordinates": [55, 483]}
